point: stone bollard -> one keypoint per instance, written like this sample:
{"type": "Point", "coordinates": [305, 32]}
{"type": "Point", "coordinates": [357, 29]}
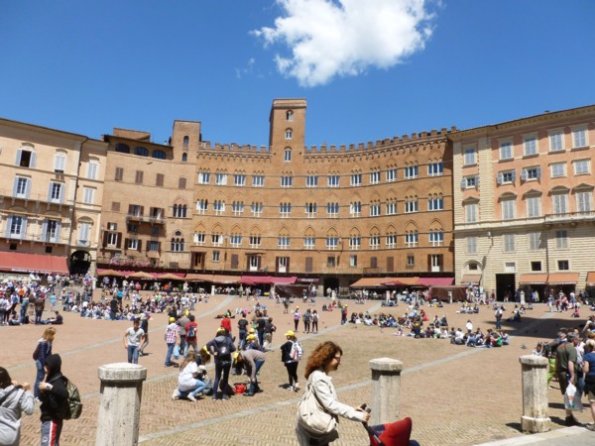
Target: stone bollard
{"type": "Point", "coordinates": [535, 402]}
{"type": "Point", "coordinates": [119, 408]}
{"type": "Point", "coordinates": [386, 390]}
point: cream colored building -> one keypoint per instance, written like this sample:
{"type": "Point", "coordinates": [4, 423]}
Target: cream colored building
{"type": "Point", "coordinates": [50, 198]}
{"type": "Point", "coordinates": [523, 194]}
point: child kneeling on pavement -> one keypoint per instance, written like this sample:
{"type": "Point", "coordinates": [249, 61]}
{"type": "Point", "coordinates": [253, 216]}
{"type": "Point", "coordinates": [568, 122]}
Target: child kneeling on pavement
{"type": "Point", "coordinates": [192, 380]}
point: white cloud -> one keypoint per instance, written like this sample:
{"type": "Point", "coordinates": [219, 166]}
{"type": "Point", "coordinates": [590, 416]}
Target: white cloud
{"type": "Point", "coordinates": [329, 38]}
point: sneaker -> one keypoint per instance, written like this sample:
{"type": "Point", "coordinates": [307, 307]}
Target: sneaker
{"type": "Point", "coordinates": [175, 395]}
{"type": "Point", "coordinates": [191, 397]}
{"type": "Point", "coordinates": [296, 387]}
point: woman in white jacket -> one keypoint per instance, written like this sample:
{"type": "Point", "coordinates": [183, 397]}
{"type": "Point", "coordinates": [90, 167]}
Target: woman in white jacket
{"type": "Point", "coordinates": [323, 360]}
{"type": "Point", "coordinates": [14, 400]}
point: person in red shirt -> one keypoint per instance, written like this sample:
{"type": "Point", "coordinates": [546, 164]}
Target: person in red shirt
{"type": "Point", "coordinates": [226, 323]}
{"type": "Point", "coordinates": [191, 334]}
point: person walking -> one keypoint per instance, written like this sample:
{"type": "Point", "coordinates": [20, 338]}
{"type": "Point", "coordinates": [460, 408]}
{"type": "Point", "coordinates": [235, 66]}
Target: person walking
{"type": "Point", "coordinates": [296, 319]}
{"type": "Point", "coordinates": [171, 336]}
{"type": "Point", "coordinates": [54, 401]}
{"type": "Point", "coordinates": [589, 371]}
{"type": "Point", "coordinates": [191, 334]}
{"type": "Point", "coordinates": [566, 369]}
{"type": "Point", "coordinates": [144, 324]}
{"type": "Point", "coordinates": [290, 361]}
{"type": "Point", "coordinates": [221, 347]}
{"type": "Point", "coordinates": [15, 399]}
{"type": "Point", "coordinates": [133, 338]}
{"type": "Point", "coordinates": [42, 351]}
{"type": "Point", "coordinates": [325, 359]}
{"type": "Point", "coordinates": [315, 322]}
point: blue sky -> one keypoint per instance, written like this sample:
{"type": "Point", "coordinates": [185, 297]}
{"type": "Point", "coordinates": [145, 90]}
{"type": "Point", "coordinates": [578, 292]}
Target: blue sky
{"type": "Point", "coordinates": [369, 69]}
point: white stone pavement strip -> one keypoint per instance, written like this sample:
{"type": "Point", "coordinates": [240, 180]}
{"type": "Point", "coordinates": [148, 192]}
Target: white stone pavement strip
{"type": "Point", "coordinates": [347, 388]}
{"type": "Point", "coordinates": [575, 436]}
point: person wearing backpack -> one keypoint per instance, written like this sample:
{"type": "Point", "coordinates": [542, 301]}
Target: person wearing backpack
{"type": "Point", "coordinates": [54, 401]}
{"type": "Point", "coordinates": [15, 399]}
{"type": "Point", "coordinates": [191, 334]}
{"type": "Point", "coordinates": [290, 356]}
{"type": "Point", "coordinates": [221, 348]}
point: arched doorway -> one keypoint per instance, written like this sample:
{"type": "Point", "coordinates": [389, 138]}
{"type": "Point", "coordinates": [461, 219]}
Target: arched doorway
{"type": "Point", "coordinates": [80, 261]}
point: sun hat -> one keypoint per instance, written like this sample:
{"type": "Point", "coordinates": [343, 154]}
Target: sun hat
{"type": "Point", "coordinates": [290, 334]}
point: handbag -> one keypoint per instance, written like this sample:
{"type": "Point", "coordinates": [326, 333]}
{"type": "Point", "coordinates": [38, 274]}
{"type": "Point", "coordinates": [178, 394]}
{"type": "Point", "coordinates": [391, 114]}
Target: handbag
{"type": "Point", "coordinates": [312, 416]}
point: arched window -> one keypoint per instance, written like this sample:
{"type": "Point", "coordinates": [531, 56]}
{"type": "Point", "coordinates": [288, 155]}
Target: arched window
{"type": "Point", "coordinates": [177, 242]}
{"type": "Point", "coordinates": [289, 115]}
{"type": "Point", "coordinates": [142, 151]}
{"type": "Point", "coordinates": [288, 134]}
{"type": "Point", "coordinates": [287, 155]}
{"type": "Point", "coordinates": [159, 154]}
{"type": "Point", "coordinates": [186, 141]}
{"type": "Point", "coordinates": [122, 148]}
{"type": "Point", "coordinates": [184, 157]}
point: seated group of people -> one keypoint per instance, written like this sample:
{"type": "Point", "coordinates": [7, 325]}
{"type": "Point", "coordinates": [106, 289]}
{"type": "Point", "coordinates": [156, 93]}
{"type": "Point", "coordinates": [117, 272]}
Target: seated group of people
{"type": "Point", "coordinates": [477, 338]}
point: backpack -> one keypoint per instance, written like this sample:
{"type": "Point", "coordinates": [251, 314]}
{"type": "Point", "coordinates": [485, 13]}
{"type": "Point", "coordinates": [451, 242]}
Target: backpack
{"type": "Point", "coordinates": [223, 351]}
{"type": "Point", "coordinates": [191, 333]}
{"type": "Point", "coordinates": [296, 352]}
{"type": "Point", "coordinates": [75, 406]}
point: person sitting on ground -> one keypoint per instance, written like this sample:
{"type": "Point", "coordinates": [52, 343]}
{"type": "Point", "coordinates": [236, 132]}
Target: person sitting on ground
{"type": "Point", "coordinates": [58, 319]}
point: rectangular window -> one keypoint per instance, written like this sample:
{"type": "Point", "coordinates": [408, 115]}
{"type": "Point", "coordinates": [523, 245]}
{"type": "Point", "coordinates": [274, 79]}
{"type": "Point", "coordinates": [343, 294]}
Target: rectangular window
{"type": "Point", "coordinates": [391, 207]}
{"type": "Point", "coordinates": [470, 182]}
{"type": "Point", "coordinates": [286, 181]}
{"type": "Point", "coordinates": [56, 192]}
{"type": "Point", "coordinates": [375, 177]}
{"type": "Point", "coordinates": [283, 242]}
{"type": "Point", "coordinates": [60, 162]}
{"type": "Point", "coordinates": [115, 206]}
{"type": "Point", "coordinates": [436, 238]}
{"type": "Point", "coordinates": [411, 239]}
{"type": "Point", "coordinates": [257, 180]}
{"type": "Point", "coordinates": [556, 141]}
{"type": "Point", "coordinates": [582, 167]}
{"type": "Point", "coordinates": [138, 178]}
{"type": "Point", "coordinates": [411, 206]}
{"type": "Point", "coordinates": [21, 187]}
{"type": "Point", "coordinates": [374, 242]}
{"type": "Point", "coordinates": [332, 242]}
{"type": "Point", "coordinates": [333, 181]}
{"type": "Point", "coordinates": [410, 261]}
{"type": "Point", "coordinates": [563, 265]}
{"type": "Point", "coordinates": [411, 172]}
{"type": "Point", "coordinates": [204, 177]}
{"type": "Point", "coordinates": [530, 145]}
{"type": "Point", "coordinates": [25, 158]}
{"type": "Point", "coordinates": [374, 209]}
{"type": "Point", "coordinates": [508, 209]}
{"type": "Point", "coordinates": [202, 205]}
{"type": "Point", "coordinates": [92, 169]}
{"type": "Point", "coordinates": [182, 183]}
{"type": "Point", "coordinates": [237, 207]}
{"type": "Point", "coordinates": [132, 244]}
{"type": "Point", "coordinates": [256, 208]}
{"type": "Point", "coordinates": [282, 264]}
{"type": "Point", "coordinates": [17, 227]}
{"type": "Point", "coordinates": [309, 242]}
{"type": "Point", "coordinates": [216, 239]}
{"type": "Point", "coordinates": [119, 174]}
{"type": "Point", "coordinates": [239, 180]}
{"type": "Point", "coordinates": [309, 264]}
{"type": "Point", "coordinates": [436, 169]}
{"type": "Point", "coordinates": [312, 181]}
{"type": "Point", "coordinates": [235, 240]}
{"type": "Point", "coordinates": [435, 204]}
{"type": "Point", "coordinates": [220, 179]}
{"type": "Point", "coordinates": [285, 209]}
{"type": "Point", "coordinates": [391, 175]}
{"type": "Point", "coordinates": [159, 180]}
{"type": "Point", "coordinates": [583, 201]}
{"type": "Point", "coordinates": [311, 209]}
{"type": "Point", "coordinates": [88, 195]}
{"type": "Point", "coordinates": [561, 239]}
{"type": "Point", "coordinates": [332, 209]}
{"type": "Point", "coordinates": [535, 266]}
{"type": "Point", "coordinates": [135, 210]}
{"type": "Point", "coordinates": [533, 206]}
{"type": "Point", "coordinates": [558, 170]}
{"type": "Point", "coordinates": [471, 213]}
{"type": "Point", "coordinates": [356, 179]}
{"type": "Point", "coordinates": [469, 158]}
{"type": "Point", "coordinates": [534, 241]}
{"type": "Point", "coordinates": [331, 261]}
{"type": "Point", "coordinates": [505, 177]}
{"type": "Point", "coordinates": [199, 238]}
{"type": "Point", "coordinates": [255, 241]}
{"type": "Point", "coordinates": [355, 208]}
{"type": "Point", "coordinates": [579, 138]}
{"type": "Point", "coordinates": [219, 207]}
{"type": "Point", "coordinates": [83, 234]}
{"type": "Point", "coordinates": [508, 242]}
{"type": "Point", "coordinates": [391, 240]}
{"type": "Point", "coordinates": [216, 256]}
{"type": "Point", "coordinates": [471, 245]}
{"type": "Point", "coordinates": [560, 203]}
{"type": "Point", "coordinates": [355, 242]}
{"type": "Point", "coordinates": [530, 173]}
{"type": "Point", "coordinates": [353, 260]}
{"type": "Point", "coordinates": [506, 150]}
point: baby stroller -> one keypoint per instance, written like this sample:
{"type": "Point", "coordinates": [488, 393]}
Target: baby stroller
{"type": "Point", "coordinates": [391, 434]}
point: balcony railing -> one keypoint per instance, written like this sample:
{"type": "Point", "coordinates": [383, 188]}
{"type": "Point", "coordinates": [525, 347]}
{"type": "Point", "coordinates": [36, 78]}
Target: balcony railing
{"type": "Point", "coordinates": [39, 238]}
{"type": "Point", "coordinates": [9, 196]}
{"type": "Point", "coordinates": [146, 218]}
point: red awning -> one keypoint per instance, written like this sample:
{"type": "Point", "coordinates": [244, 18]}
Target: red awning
{"type": "Point", "coordinates": [533, 279]}
{"type": "Point", "coordinates": [562, 278]}
{"type": "Point", "coordinates": [591, 278]}
{"type": "Point", "coordinates": [436, 281]}
{"type": "Point", "coordinates": [32, 263]}
{"type": "Point", "coordinates": [267, 280]}
{"type": "Point", "coordinates": [213, 278]}
{"type": "Point", "coordinates": [402, 281]}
